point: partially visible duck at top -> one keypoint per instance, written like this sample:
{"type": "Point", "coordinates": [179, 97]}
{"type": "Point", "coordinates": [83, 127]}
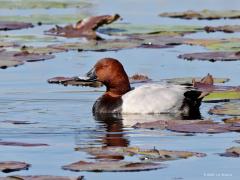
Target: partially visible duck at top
{"type": "Point", "coordinates": [120, 98]}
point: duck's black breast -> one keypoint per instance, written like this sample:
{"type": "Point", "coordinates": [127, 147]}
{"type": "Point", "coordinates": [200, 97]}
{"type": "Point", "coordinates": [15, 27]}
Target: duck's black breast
{"type": "Point", "coordinates": [108, 104]}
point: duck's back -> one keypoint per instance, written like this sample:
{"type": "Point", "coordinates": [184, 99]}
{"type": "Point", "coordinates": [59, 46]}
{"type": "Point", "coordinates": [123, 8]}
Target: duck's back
{"type": "Point", "coordinates": [153, 98]}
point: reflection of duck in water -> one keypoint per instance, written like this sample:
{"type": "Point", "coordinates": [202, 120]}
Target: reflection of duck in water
{"type": "Point", "coordinates": [114, 130]}
{"type": "Point", "coordinates": [119, 98]}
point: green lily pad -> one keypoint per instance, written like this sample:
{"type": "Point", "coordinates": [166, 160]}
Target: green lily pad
{"type": "Point", "coordinates": [113, 166]}
{"type": "Point", "coordinates": [222, 95]}
{"type": "Point", "coordinates": [42, 50]}
{"type": "Point", "coordinates": [42, 4]}
{"type": "Point", "coordinates": [188, 80]}
{"type": "Point", "coordinates": [10, 166]}
{"type": "Point", "coordinates": [212, 56]}
{"type": "Point", "coordinates": [45, 18]}
{"type": "Point", "coordinates": [231, 108]}
{"type": "Point", "coordinates": [231, 44]}
{"type": "Point", "coordinates": [204, 14]}
{"type": "Point", "coordinates": [127, 29]}
{"type": "Point", "coordinates": [42, 177]}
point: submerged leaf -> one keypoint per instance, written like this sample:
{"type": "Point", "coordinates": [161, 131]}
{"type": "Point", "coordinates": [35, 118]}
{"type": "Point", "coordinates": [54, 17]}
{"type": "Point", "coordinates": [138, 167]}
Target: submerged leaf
{"type": "Point", "coordinates": [10, 166]}
{"type": "Point", "coordinates": [212, 56]}
{"type": "Point", "coordinates": [204, 14]}
{"type": "Point", "coordinates": [112, 166]}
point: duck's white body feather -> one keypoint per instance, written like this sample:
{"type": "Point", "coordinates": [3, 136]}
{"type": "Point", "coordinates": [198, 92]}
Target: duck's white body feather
{"type": "Point", "coordinates": [153, 98]}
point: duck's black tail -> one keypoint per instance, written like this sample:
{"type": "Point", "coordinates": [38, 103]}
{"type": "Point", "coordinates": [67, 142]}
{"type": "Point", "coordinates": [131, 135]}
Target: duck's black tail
{"type": "Point", "coordinates": [191, 104]}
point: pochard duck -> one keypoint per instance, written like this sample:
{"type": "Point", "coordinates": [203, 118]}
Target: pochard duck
{"type": "Point", "coordinates": [146, 99]}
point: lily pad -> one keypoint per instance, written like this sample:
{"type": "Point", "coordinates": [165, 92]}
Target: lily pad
{"type": "Point", "coordinates": [42, 50]}
{"type": "Point", "coordinates": [188, 80]}
{"type": "Point", "coordinates": [222, 96]}
{"type": "Point", "coordinates": [14, 25]}
{"type": "Point", "coordinates": [44, 18]}
{"type": "Point", "coordinates": [7, 44]}
{"type": "Point", "coordinates": [232, 152]}
{"type": "Point", "coordinates": [42, 4]}
{"type": "Point", "coordinates": [145, 154]}
{"type": "Point", "coordinates": [115, 166]}
{"type": "Point", "coordinates": [10, 166]}
{"type": "Point", "coordinates": [212, 56]}
{"type": "Point", "coordinates": [83, 28]}
{"type": "Point", "coordinates": [163, 124]}
{"type": "Point", "coordinates": [22, 144]}
{"type": "Point", "coordinates": [203, 128]}
{"type": "Point", "coordinates": [74, 81]}
{"type": "Point", "coordinates": [128, 29]}
{"type": "Point", "coordinates": [226, 28]}
{"type": "Point", "coordinates": [204, 14]}
{"type": "Point", "coordinates": [231, 108]}
{"type": "Point", "coordinates": [232, 120]}
{"type": "Point", "coordinates": [139, 78]}
{"type": "Point", "coordinates": [231, 44]}
{"type": "Point", "coordinates": [42, 177]}
{"type": "Point", "coordinates": [16, 122]}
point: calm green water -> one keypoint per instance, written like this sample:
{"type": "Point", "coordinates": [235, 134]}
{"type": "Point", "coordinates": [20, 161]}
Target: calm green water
{"type": "Point", "coordinates": [63, 114]}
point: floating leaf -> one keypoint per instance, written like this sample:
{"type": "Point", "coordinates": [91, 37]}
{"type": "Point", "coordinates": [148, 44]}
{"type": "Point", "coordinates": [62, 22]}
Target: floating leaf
{"type": "Point", "coordinates": [163, 124]}
{"type": "Point", "coordinates": [7, 44]}
{"type": "Point", "coordinates": [9, 63]}
{"type": "Point", "coordinates": [231, 44]}
{"type": "Point", "coordinates": [42, 50]}
{"type": "Point", "coordinates": [145, 154]}
{"type": "Point", "coordinates": [231, 152]}
{"type": "Point", "coordinates": [165, 30]}
{"type": "Point", "coordinates": [42, 4]}
{"type": "Point", "coordinates": [212, 56]}
{"type": "Point", "coordinates": [188, 80]}
{"type": "Point", "coordinates": [203, 128]}
{"type": "Point", "coordinates": [204, 14]}
{"type": "Point", "coordinates": [18, 122]}
{"type": "Point", "coordinates": [232, 120]}
{"type": "Point", "coordinates": [231, 108]}
{"type": "Point", "coordinates": [44, 18]}
{"type": "Point", "coordinates": [226, 28]}
{"type": "Point", "coordinates": [10, 166]}
{"type": "Point", "coordinates": [42, 178]}
{"type": "Point", "coordinates": [83, 28]}
{"type": "Point", "coordinates": [115, 166]}
{"type": "Point", "coordinates": [8, 143]}
{"type": "Point", "coordinates": [14, 25]}
{"type": "Point", "coordinates": [222, 95]}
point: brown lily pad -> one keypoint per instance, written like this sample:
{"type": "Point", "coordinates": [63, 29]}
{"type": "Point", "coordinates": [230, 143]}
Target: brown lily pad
{"type": "Point", "coordinates": [5, 26]}
{"type": "Point", "coordinates": [74, 81]}
{"type": "Point", "coordinates": [84, 28]}
{"type": "Point", "coordinates": [212, 56]}
{"type": "Point", "coordinates": [231, 152]}
{"type": "Point", "coordinates": [203, 128]}
{"type": "Point", "coordinates": [204, 14]}
{"type": "Point", "coordinates": [145, 154]}
{"type": "Point", "coordinates": [22, 144]}
{"type": "Point", "coordinates": [10, 166]}
{"type": "Point", "coordinates": [113, 166]}
{"type": "Point", "coordinates": [14, 58]}
{"type": "Point", "coordinates": [163, 124]}
{"type": "Point", "coordinates": [226, 28]}
{"type": "Point", "coordinates": [232, 120]}
{"type": "Point", "coordinates": [231, 108]}
{"type": "Point", "coordinates": [43, 177]}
